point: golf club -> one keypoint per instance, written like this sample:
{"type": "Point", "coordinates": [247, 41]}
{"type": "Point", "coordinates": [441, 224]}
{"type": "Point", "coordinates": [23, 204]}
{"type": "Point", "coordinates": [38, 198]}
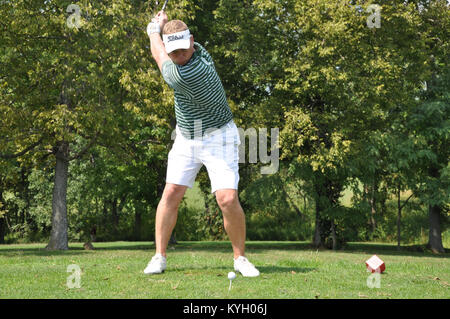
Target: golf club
{"type": "Point", "coordinates": [164, 5]}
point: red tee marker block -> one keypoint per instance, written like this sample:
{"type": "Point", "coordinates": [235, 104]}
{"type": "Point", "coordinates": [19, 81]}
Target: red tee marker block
{"type": "Point", "coordinates": [375, 264]}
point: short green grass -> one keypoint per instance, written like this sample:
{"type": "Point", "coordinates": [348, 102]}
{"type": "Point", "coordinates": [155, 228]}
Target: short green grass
{"type": "Point", "coordinates": [199, 270]}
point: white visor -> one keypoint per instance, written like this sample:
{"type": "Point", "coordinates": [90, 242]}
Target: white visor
{"type": "Point", "coordinates": [175, 41]}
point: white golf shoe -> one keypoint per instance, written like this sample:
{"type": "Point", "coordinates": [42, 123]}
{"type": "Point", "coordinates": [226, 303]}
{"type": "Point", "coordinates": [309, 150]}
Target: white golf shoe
{"type": "Point", "coordinates": [246, 268]}
{"type": "Point", "coordinates": [156, 266]}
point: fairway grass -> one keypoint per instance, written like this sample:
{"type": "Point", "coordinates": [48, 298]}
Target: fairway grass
{"type": "Point", "coordinates": [198, 270]}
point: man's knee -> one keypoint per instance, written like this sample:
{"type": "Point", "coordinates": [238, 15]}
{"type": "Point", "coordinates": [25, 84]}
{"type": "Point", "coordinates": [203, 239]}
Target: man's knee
{"type": "Point", "coordinates": [173, 194]}
{"type": "Point", "coordinates": [227, 198]}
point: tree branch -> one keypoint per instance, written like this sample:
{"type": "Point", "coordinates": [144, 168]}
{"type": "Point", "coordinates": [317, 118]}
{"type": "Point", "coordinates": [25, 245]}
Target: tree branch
{"type": "Point", "coordinates": [406, 201]}
{"type": "Point", "coordinates": [29, 148]}
{"type": "Point", "coordinates": [84, 150]}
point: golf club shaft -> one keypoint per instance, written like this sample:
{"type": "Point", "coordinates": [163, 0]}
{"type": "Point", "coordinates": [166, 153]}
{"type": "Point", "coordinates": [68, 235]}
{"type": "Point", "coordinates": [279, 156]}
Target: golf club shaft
{"type": "Point", "coordinates": [164, 5]}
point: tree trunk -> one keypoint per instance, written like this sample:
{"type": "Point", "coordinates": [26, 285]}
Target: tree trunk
{"type": "Point", "coordinates": [322, 230]}
{"type": "Point", "coordinates": [304, 203]}
{"type": "Point", "coordinates": [58, 236]}
{"type": "Point", "coordinates": [333, 235]}
{"type": "Point", "coordinates": [434, 212]}
{"type": "Point", "coordinates": [292, 202]}
{"type": "Point", "coordinates": [137, 223]}
{"type": "Point", "coordinates": [399, 217]}
{"type": "Point", "coordinates": [172, 240]}
{"type": "Point", "coordinates": [105, 214]}
{"type": "Point", "coordinates": [2, 223]}
{"type": "Point", "coordinates": [327, 194]}
{"type": "Point", "coordinates": [383, 198]}
{"type": "Point", "coordinates": [435, 237]}
{"type": "Point", "coordinates": [370, 196]}
{"type": "Point", "coordinates": [2, 230]}
{"type": "Point", "coordinates": [115, 218]}
{"type": "Point", "coordinates": [373, 208]}
{"type": "Point", "coordinates": [317, 241]}
{"type": "Point", "coordinates": [24, 189]}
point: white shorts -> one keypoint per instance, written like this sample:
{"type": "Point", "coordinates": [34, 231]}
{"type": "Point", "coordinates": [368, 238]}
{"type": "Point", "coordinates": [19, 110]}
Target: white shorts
{"type": "Point", "coordinates": [218, 150]}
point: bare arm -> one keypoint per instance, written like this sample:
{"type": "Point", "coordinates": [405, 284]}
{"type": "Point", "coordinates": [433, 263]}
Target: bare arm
{"type": "Point", "coordinates": [158, 50]}
{"type": "Point", "coordinates": [156, 44]}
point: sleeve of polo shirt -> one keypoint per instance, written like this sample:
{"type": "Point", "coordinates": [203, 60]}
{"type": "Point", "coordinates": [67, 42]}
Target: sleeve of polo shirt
{"type": "Point", "coordinates": [171, 74]}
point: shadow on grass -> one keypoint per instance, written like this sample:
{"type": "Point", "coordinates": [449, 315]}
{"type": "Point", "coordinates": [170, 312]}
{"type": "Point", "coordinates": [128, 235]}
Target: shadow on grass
{"type": "Point", "coordinates": [256, 247]}
{"type": "Point", "coordinates": [262, 269]}
{"type": "Point", "coordinates": [37, 251]}
{"type": "Point", "coordinates": [278, 269]}
{"type": "Point", "coordinates": [391, 249]}
{"type": "Point", "coordinates": [253, 247]}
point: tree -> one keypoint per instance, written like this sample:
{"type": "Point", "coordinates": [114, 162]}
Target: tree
{"type": "Point", "coordinates": [428, 123]}
{"type": "Point", "coordinates": [62, 92]}
{"type": "Point", "coordinates": [77, 77]}
{"type": "Point", "coordinates": [430, 126]}
{"type": "Point", "coordinates": [323, 76]}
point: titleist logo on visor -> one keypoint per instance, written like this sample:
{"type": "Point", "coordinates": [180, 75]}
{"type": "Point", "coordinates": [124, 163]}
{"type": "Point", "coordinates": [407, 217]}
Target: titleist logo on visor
{"type": "Point", "coordinates": [171, 38]}
{"type": "Point", "coordinates": [183, 35]}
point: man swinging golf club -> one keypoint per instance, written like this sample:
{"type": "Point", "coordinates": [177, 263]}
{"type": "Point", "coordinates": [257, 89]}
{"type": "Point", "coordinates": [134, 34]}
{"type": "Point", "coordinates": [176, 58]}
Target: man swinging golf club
{"type": "Point", "coordinates": [205, 135]}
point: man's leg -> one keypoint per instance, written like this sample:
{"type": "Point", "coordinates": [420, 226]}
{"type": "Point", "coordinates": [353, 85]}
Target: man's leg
{"type": "Point", "coordinates": [166, 215]}
{"type": "Point", "coordinates": [234, 222]}
{"type": "Point", "coordinates": [234, 219]}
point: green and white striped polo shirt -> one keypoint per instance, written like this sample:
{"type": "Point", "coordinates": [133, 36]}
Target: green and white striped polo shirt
{"type": "Point", "coordinates": [199, 94]}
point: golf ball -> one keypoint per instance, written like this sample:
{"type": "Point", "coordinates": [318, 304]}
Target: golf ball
{"type": "Point", "coordinates": [231, 275]}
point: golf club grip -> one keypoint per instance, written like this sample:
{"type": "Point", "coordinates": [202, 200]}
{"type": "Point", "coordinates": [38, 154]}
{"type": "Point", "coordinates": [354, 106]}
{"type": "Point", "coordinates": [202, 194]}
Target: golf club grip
{"type": "Point", "coordinates": [164, 5]}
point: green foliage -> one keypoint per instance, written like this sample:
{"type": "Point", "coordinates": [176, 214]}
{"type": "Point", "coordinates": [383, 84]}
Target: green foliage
{"type": "Point", "coordinates": [190, 224]}
{"type": "Point", "coordinates": [274, 211]}
{"type": "Point", "coordinates": [356, 107]}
